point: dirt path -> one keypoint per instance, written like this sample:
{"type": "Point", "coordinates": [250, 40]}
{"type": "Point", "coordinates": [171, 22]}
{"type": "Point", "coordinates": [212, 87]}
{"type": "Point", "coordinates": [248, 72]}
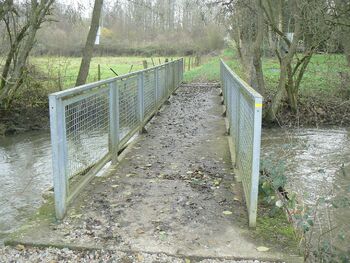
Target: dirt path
{"type": "Point", "coordinates": [168, 195]}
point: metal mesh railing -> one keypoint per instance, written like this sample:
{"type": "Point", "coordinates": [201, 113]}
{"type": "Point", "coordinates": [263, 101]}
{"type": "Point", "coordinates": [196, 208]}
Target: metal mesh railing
{"type": "Point", "coordinates": [87, 126]}
{"type": "Point", "coordinates": [244, 113]}
{"type": "Point", "coordinates": [90, 123]}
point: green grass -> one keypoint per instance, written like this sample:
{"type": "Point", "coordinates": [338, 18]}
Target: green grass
{"type": "Point", "coordinates": [321, 78]}
{"type": "Point", "coordinates": [210, 71]}
{"type": "Point", "coordinates": [207, 72]}
{"type": "Point", "coordinates": [50, 68]}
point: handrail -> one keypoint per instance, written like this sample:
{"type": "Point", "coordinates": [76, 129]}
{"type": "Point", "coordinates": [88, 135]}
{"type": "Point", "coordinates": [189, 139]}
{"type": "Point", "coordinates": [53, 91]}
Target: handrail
{"type": "Point", "coordinates": [244, 113]}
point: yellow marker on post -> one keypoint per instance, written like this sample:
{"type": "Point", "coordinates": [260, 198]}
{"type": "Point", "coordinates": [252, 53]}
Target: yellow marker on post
{"type": "Point", "coordinates": [258, 105]}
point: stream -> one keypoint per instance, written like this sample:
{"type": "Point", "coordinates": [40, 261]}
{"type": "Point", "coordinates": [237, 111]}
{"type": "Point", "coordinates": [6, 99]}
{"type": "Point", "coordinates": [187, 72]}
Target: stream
{"type": "Point", "coordinates": [25, 172]}
{"type": "Point", "coordinates": [313, 160]}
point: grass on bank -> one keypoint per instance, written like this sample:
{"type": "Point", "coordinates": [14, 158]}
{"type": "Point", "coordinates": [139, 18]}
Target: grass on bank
{"type": "Point", "coordinates": [322, 78]}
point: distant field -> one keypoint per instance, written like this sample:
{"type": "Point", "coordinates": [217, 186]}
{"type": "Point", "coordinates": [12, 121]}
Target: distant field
{"type": "Point", "coordinates": [50, 69]}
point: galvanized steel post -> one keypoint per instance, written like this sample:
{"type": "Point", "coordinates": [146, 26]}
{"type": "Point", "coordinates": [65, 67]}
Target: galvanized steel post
{"type": "Point", "coordinates": [256, 162]}
{"type": "Point", "coordinates": [141, 99]}
{"type": "Point", "coordinates": [59, 156]}
{"type": "Point", "coordinates": [113, 121]}
{"type": "Point", "coordinates": [156, 79]}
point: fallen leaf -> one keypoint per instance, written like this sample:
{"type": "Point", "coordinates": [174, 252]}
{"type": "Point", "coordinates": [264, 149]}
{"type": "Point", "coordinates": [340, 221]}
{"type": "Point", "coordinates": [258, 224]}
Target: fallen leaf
{"type": "Point", "coordinates": [20, 247]}
{"type": "Point", "coordinates": [76, 216]}
{"type": "Point", "coordinates": [140, 258]}
{"type": "Point", "coordinates": [115, 186]}
{"type": "Point", "coordinates": [262, 249]}
{"type": "Point", "coordinates": [140, 231]}
{"type": "Point", "coordinates": [279, 203]}
{"type": "Point", "coordinates": [227, 213]}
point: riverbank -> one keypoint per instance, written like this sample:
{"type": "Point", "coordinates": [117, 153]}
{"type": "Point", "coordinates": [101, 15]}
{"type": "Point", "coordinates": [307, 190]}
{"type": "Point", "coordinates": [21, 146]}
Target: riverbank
{"type": "Point", "coordinates": [21, 119]}
{"type": "Point", "coordinates": [315, 111]}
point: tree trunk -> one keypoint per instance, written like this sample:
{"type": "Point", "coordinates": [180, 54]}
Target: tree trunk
{"type": "Point", "coordinates": [277, 99]}
{"type": "Point", "coordinates": [259, 75]}
{"type": "Point", "coordinates": [346, 45]}
{"type": "Point", "coordinates": [90, 43]}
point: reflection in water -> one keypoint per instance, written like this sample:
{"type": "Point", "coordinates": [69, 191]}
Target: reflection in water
{"type": "Point", "coordinates": [25, 172]}
{"type": "Point", "coordinates": [312, 157]}
{"type": "Point", "coordinates": [317, 165]}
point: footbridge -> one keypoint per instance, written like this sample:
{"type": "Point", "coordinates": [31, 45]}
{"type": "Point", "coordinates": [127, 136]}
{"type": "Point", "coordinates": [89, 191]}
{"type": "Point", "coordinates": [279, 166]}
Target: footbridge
{"type": "Point", "coordinates": [93, 124]}
{"type": "Point", "coordinates": [144, 164]}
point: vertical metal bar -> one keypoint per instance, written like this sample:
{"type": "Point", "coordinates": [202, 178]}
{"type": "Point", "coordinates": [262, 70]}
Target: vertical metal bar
{"type": "Point", "coordinates": [165, 94]}
{"type": "Point", "coordinates": [141, 99]}
{"type": "Point", "coordinates": [156, 76]}
{"type": "Point", "coordinates": [59, 158]}
{"type": "Point", "coordinates": [172, 77]}
{"type": "Point", "coordinates": [238, 109]}
{"type": "Point", "coordinates": [113, 121]}
{"type": "Point", "coordinates": [256, 162]}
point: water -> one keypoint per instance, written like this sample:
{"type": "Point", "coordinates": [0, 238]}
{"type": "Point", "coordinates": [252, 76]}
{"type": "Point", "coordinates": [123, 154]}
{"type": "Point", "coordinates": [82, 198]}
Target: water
{"type": "Point", "coordinates": [317, 166]}
{"type": "Point", "coordinates": [25, 172]}
{"type": "Point", "coordinates": [313, 159]}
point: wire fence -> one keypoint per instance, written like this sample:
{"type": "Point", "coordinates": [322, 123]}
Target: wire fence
{"type": "Point", "coordinates": [244, 113]}
{"type": "Point", "coordinates": [91, 123]}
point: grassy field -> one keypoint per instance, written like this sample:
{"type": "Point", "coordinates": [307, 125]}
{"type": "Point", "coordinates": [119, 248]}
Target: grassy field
{"type": "Point", "coordinates": [50, 69]}
{"type": "Point", "coordinates": [321, 79]}
{"type": "Point", "coordinates": [322, 76]}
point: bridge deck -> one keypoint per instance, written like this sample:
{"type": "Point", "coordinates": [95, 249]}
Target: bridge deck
{"type": "Point", "coordinates": [171, 193]}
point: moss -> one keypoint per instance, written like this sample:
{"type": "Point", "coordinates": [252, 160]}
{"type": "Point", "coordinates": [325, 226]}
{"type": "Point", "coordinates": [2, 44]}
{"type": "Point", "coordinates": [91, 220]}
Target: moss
{"type": "Point", "coordinates": [275, 229]}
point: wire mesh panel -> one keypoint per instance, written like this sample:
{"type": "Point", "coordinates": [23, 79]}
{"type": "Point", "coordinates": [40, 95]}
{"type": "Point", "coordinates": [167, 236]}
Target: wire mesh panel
{"type": "Point", "coordinates": [128, 105]}
{"type": "Point", "coordinates": [87, 125]}
{"type": "Point", "coordinates": [162, 82]}
{"type": "Point", "coordinates": [244, 112]}
{"type": "Point", "coordinates": [91, 122]}
{"type": "Point", "coordinates": [149, 92]}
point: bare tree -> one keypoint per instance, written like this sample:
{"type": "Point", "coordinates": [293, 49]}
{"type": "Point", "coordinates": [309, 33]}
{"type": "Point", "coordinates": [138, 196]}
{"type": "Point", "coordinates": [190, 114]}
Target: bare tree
{"type": "Point", "coordinates": [21, 38]}
{"type": "Point", "coordinates": [90, 43]}
{"type": "Point", "coordinates": [297, 26]}
{"type": "Point", "coordinates": [247, 27]}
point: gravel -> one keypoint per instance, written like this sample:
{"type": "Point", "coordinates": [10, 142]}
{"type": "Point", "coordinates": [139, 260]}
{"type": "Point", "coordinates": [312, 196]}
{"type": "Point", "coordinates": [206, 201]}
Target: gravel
{"type": "Point", "coordinates": [23, 254]}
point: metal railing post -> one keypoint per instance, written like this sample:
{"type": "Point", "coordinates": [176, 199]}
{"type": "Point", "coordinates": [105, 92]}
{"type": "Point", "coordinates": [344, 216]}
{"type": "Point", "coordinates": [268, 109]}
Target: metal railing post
{"type": "Point", "coordinates": [59, 155]}
{"type": "Point", "coordinates": [174, 76]}
{"type": "Point", "coordinates": [238, 110]}
{"type": "Point", "coordinates": [256, 162]}
{"type": "Point", "coordinates": [166, 86]}
{"type": "Point", "coordinates": [114, 121]}
{"type": "Point", "coordinates": [156, 77]}
{"type": "Point", "coordinates": [141, 97]}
